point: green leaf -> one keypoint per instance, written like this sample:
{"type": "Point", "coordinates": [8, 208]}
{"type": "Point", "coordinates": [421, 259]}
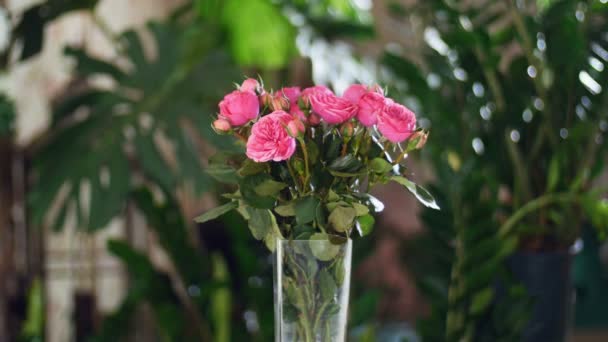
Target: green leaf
{"type": "Point", "coordinates": [313, 152]}
{"type": "Point", "coordinates": [360, 209]}
{"type": "Point", "coordinates": [260, 222]}
{"type": "Point", "coordinates": [322, 248]}
{"type": "Point", "coordinates": [286, 210]}
{"type": "Point", "coordinates": [553, 175]}
{"type": "Point", "coordinates": [260, 35]}
{"type": "Point", "coordinates": [341, 218]}
{"type": "Point", "coordinates": [482, 300]}
{"type": "Point", "coordinates": [339, 271]}
{"type": "Point", "coordinates": [269, 187]}
{"type": "Point", "coordinates": [7, 116]}
{"type": "Point", "coordinates": [216, 212]}
{"type": "Point", "coordinates": [248, 187]}
{"type": "Point", "coordinates": [87, 65]}
{"type": "Point", "coordinates": [305, 209]}
{"type": "Point", "coordinates": [250, 167]}
{"type": "Point", "coordinates": [380, 166]}
{"type": "Point", "coordinates": [421, 193]}
{"type": "Point", "coordinates": [291, 290]}
{"type": "Point", "coordinates": [275, 233]}
{"type": "Point", "coordinates": [332, 196]}
{"type": "Point", "coordinates": [321, 217]}
{"type": "Point", "coordinates": [303, 232]}
{"type": "Point", "coordinates": [108, 199]}
{"type": "Point", "coordinates": [333, 205]}
{"type": "Point", "coordinates": [365, 224]}
{"type": "Point", "coordinates": [327, 285]}
{"type": "Point", "coordinates": [346, 164]}
{"type": "Point", "coordinates": [222, 173]}
{"type": "Point", "coordinates": [152, 162]}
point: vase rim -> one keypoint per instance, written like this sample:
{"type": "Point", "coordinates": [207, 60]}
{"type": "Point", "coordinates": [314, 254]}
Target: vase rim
{"type": "Point", "coordinates": [345, 239]}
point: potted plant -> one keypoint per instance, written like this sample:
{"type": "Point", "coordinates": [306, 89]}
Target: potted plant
{"type": "Point", "coordinates": [302, 181]}
{"type": "Point", "coordinates": [519, 90]}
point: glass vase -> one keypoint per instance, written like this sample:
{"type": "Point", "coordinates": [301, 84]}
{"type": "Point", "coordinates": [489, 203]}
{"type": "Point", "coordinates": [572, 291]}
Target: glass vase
{"type": "Point", "coordinates": [311, 288]}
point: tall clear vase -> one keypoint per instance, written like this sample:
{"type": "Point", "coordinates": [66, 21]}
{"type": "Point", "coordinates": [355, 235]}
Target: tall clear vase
{"type": "Point", "coordinates": [311, 288]}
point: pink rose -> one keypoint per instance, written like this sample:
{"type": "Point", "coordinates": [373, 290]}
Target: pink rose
{"type": "Point", "coordinates": [269, 139]}
{"type": "Point", "coordinates": [291, 93]}
{"type": "Point", "coordinates": [377, 89]}
{"type": "Point", "coordinates": [239, 107]}
{"type": "Point", "coordinates": [332, 109]}
{"type": "Point", "coordinates": [250, 84]}
{"type": "Point", "coordinates": [314, 119]}
{"type": "Point", "coordinates": [295, 128]}
{"type": "Point", "coordinates": [221, 125]}
{"type": "Point", "coordinates": [297, 112]}
{"type": "Point", "coordinates": [354, 93]}
{"type": "Point", "coordinates": [370, 106]}
{"type": "Point", "coordinates": [396, 122]}
{"type": "Point", "coordinates": [309, 92]}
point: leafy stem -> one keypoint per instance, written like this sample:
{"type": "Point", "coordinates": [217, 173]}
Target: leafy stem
{"type": "Point", "coordinates": [293, 176]}
{"type": "Point", "coordinates": [534, 205]}
{"type": "Point", "coordinates": [306, 169]}
{"type": "Point", "coordinates": [319, 314]}
{"type": "Point", "coordinates": [400, 157]}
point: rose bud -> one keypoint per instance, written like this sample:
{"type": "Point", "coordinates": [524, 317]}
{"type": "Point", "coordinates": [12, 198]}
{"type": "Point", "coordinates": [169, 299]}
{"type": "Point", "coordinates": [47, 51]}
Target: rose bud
{"type": "Point", "coordinates": [347, 129]}
{"type": "Point", "coordinates": [279, 102]}
{"type": "Point", "coordinates": [221, 126]}
{"type": "Point", "coordinates": [266, 100]}
{"type": "Point", "coordinates": [314, 119]}
{"type": "Point", "coordinates": [417, 140]}
{"type": "Point", "coordinates": [251, 85]}
{"type": "Point", "coordinates": [295, 128]}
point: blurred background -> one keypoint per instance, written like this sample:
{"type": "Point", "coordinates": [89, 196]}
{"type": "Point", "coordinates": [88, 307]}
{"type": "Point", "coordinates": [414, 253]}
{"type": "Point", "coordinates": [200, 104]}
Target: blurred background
{"type": "Point", "coordinates": [105, 113]}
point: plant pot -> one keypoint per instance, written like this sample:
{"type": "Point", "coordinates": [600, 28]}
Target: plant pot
{"type": "Point", "coordinates": [546, 277]}
{"type": "Point", "coordinates": [311, 288]}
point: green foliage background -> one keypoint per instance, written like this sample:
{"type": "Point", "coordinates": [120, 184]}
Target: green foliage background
{"type": "Point", "coordinates": [113, 151]}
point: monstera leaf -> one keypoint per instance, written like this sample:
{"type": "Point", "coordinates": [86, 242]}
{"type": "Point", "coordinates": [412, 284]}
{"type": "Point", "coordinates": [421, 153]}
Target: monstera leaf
{"type": "Point", "coordinates": [151, 121]}
{"type": "Point", "coordinates": [7, 116]}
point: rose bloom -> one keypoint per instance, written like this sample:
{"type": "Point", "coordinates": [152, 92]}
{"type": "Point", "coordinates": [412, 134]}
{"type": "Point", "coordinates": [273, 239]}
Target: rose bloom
{"type": "Point", "coordinates": [354, 93]}
{"type": "Point", "coordinates": [291, 93]}
{"type": "Point", "coordinates": [396, 122]}
{"type": "Point", "coordinates": [250, 84]}
{"type": "Point", "coordinates": [332, 109]}
{"type": "Point", "coordinates": [370, 106]}
{"type": "Point", "coordinates": [377, 89]}
{"type": "Point", "coordinates": [239, 107]}
{"type": "Point", "coordinates": [269, 139]}
{"type": "Point", "coordinates": [309, 92]}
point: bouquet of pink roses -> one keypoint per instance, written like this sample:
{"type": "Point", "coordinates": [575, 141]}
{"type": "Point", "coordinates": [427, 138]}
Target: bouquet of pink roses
{"type": "Point", "coordinates": [311, 157]}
